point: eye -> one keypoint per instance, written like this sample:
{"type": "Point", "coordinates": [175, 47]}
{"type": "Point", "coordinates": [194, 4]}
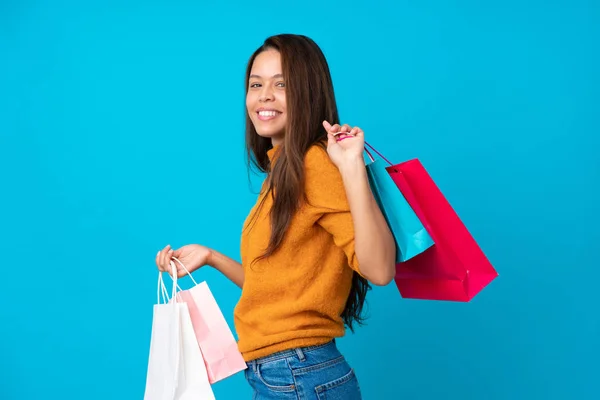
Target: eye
{"type": "Point", "coordinates": [280, 84]}
{"type": "Point", "coordinates": [254, 85]}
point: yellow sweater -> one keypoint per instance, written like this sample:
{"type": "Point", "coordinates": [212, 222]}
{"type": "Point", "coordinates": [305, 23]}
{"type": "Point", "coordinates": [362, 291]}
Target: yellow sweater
{"type": "Point", "coordinates": [295, 297]}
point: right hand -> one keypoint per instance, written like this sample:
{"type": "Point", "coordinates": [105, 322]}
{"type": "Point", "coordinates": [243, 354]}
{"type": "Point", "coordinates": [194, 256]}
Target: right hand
{"type": "Point", "coordinates": [193, 256]}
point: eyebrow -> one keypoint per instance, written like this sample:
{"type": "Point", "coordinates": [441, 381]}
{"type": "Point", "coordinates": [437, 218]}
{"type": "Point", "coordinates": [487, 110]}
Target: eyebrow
{"type": "Point", "coordinates": [274, 76]}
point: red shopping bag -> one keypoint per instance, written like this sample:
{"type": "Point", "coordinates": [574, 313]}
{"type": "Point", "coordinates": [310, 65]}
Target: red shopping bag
{"type": "Point", "coordinates": [454, 268]}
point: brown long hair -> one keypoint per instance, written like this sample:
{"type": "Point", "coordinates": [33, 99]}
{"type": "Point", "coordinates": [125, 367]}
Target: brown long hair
{"type": "Point", "coordinates": [310, 100]}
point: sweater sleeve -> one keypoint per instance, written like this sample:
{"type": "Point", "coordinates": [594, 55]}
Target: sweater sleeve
{"type": "Point", "coordinates": [326, 195]}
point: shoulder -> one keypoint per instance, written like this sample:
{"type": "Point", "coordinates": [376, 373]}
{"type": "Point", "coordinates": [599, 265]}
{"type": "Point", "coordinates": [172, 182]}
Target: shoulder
{"type": "Point", "coordinates": [317, 161]}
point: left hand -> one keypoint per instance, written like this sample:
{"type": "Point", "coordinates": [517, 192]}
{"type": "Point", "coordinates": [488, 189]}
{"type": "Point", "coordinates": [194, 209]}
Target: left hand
{"type": "Point", "coordinates": [345, 144]}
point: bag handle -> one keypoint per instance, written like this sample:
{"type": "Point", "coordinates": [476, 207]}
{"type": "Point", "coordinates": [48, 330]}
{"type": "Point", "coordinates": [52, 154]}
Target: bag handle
{"type": "Point", "coordinates": [378, 153]}
{"type": "Point", "coordinates": [174, 277]}
{"type": "Point", "coordinates": [369, 154]}
{"type": "Point", "coordinates": [163, 289]}
{"type": "Point", "coordinates": [161, 285]}
{"type": "Point", "coordinates": [185, 269]}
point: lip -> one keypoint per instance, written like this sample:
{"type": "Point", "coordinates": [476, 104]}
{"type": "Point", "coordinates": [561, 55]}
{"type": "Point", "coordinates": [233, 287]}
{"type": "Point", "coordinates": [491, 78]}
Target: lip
{"type": "Point", "coordinates": [267, 109]}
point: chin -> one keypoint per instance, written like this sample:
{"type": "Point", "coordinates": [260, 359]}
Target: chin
{"type": "Point", "coordinates": [269, 134]}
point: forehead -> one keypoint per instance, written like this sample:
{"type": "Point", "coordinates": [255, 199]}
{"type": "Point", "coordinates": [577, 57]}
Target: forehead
{"type": "Point", "coordinates": [267, 63]}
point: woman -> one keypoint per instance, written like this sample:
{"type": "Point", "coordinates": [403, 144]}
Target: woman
{"type": "Point", "coordinates": [315, 238]}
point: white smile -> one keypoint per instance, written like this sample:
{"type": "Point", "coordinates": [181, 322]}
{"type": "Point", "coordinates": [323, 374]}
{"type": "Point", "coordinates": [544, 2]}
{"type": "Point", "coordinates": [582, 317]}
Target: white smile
{"type": "Point", "coordinates": [268, 114]}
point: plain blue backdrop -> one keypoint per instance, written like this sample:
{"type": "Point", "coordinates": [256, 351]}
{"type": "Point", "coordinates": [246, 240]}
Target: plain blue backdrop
{"type": "Point", "coordinates": [121, 131]}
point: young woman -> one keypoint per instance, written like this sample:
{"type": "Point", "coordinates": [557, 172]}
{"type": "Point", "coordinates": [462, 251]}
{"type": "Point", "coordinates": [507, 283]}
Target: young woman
{"type": "Point", "coordinates": [315, 238]}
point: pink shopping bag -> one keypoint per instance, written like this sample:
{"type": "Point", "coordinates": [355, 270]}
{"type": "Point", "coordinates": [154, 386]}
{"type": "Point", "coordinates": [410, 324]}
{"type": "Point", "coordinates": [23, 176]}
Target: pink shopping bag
{"type": "Point", "coordinates": [219, 348]}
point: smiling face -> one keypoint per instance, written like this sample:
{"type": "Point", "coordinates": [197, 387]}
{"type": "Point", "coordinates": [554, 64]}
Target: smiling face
{"type": "Point", "coordinates": [265, 98]}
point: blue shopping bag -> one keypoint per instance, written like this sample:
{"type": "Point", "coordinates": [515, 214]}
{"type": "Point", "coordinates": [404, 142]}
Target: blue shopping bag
{"type": "Point", "coordinates": [410, 235]}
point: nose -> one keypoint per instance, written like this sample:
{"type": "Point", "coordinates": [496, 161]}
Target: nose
{"type": "Point", "coordinates": [266, 94]}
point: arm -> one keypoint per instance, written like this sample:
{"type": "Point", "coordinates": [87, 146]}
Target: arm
{"type": "Point", "coordinates": [374, 244]}
{"type": "Point", "coordinates": [230, 268]}
{"type": "Point", "coordinates": [341, 197]}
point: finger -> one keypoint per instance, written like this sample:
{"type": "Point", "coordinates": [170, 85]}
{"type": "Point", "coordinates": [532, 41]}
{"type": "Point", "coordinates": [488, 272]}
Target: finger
{"type": "Point", "coordinates": [164, 261]}
{"type": "Point", "coordinates": [161, 260]}
{"type": "Point", "coordinates": [334, 128]}
{"type": "Point", "coordinates": [169, 260]}
{"type": "Point", "coordinates": [157, 260]}
{"type": "Point", "coordinates": [346, 128]}
{"type": "Point", "coordinates": [327, 126]}
{"type": "Point", "coordinates": [356, 131]}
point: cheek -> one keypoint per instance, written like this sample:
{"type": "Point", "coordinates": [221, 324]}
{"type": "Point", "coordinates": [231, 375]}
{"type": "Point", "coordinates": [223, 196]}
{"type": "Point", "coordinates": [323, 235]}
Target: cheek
{"type": "Point", "coordinates": [250, 108]}
{"type": "Point", "coordinates": [283, 101]}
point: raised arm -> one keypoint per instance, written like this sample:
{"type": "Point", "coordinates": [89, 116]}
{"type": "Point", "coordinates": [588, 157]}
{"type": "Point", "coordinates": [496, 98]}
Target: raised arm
{"type": "Point", "coordinates": [373, 241]}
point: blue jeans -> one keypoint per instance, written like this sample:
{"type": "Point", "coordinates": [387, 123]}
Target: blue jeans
{"type": "Point", "coordinates": [307, 373]}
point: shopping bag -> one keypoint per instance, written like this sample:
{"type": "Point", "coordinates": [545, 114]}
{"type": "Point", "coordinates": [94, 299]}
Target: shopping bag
{"type": "Point", "coordinates": [217, 343]}
{"type": "Point", "coordinates": [176, 369]}
{"type": "Point", "coordinates": [410, 235]}
{"type": "Point", "coordinates": [163, 361]}
{"type": "Point", "coordinates": [455, 268]}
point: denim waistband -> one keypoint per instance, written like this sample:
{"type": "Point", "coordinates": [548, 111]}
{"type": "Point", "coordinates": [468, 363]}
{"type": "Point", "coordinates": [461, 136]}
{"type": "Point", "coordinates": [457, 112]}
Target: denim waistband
{"type": "Point", "coordinates": [297, 352]}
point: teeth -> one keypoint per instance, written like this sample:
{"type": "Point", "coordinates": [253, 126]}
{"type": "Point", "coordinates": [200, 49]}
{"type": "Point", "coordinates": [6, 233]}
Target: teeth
{"type": "Point", "coordinates": [267, 113]}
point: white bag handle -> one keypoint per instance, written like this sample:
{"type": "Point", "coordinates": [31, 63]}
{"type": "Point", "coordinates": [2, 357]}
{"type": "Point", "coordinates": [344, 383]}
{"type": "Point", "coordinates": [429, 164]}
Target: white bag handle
{"type": "Point", "coordinates": [185, 269]}
{"type": "Point", "coordinates": [161, 285]}
{"type": "Point", "coordinates": [163, 289]}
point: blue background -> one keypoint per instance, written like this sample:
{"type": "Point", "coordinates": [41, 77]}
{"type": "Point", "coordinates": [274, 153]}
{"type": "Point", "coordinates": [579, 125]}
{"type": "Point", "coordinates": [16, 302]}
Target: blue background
{"type": "Point", "coordinates": [121, 130]}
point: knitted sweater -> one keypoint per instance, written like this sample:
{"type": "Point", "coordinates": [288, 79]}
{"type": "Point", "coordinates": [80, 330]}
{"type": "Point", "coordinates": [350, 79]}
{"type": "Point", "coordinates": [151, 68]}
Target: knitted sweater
{"type": "Point", "coordinates": [295, 297]}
